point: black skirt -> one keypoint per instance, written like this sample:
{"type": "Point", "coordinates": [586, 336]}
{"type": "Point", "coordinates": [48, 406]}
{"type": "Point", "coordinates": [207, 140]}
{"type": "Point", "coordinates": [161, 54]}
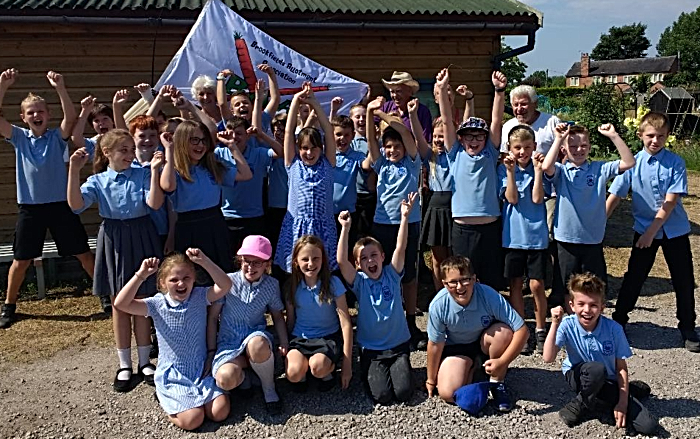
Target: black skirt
{"type": "Point", "coordinates": [206, 230]}
{"type": "Point", "coordinates": [331, 346]}
{"type": "Point", "coordinates": [436, 230]}
{"type": "Point", "coordinates": [122, 245]}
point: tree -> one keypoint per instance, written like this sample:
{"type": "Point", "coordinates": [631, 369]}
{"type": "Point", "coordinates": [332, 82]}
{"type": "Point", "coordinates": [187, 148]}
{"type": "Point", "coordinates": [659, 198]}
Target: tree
{"type": "Point", "coordinates": [682, 38]}
{"type": "Point", "coordinates": [557, 81]}
{"type": "Point", "coordinates": [623, 42]}
{"type": "Point", "coordinates": [537, 79]}
{"type": "Point", "coordinates": [641, 83]}
{"type": "Point", "coordinates": [601, 103]}
{"type": "Point", "coordinates": [513, 68]}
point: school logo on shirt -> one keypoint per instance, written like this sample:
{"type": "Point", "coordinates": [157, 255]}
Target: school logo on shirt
{"type": "Point", "coordinates": [485, 321]}
{"type": "Point", "coordinates": [590, 180]}
{"type": "Point", "coordinates": [386, 293]}
{"type": "Point", "coordinates": [607, 347]}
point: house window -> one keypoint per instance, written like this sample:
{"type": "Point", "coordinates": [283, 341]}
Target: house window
{"type": "Point", "coordinates": [656, 77]}
{"type": "Point", "coordinates": [597, 80]}
{"type": "Point", "coordinates": [573, 81]}
{"type": "Point", "coordinates": [628, 78]}
{"type": "Point", "coordinates": [611, 79]}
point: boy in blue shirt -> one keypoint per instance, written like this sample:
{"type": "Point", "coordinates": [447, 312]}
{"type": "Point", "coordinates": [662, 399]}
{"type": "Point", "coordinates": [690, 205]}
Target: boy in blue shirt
{"type": "Point", "coordinates": [658, 182]}
{"type": "Point", "coordinates": [468, 321]}
{"type": "Point", "coordinates": [382, 332]}
{"type": "Point", "coordinates": [348, 164]}
{"type": "Point", "coordinates": [366, 179]}
{"type": "Point", "coordinates": [41, 187]}
{"type": "Point", "coordinates": [579, 219]}
{"type": "Point", "coordinates": [595, 366]}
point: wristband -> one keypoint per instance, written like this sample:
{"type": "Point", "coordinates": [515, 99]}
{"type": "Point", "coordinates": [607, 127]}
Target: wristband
{"type": "Point", "coordinates": [500, 90]}
{"type": "Point", "coordinates": [469, 99]}
{"type": "Point", "coordinates": [429, 383]}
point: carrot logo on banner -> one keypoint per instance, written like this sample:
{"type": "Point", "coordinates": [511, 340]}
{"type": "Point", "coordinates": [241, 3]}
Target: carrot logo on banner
{"type": "Point", "coordinates": [221, 39]}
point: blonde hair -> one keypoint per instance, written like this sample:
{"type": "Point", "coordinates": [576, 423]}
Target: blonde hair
{"type": "Point", "coordinates": [437, 123]}
{"type": "Point", "coordinates": [32, 99]}
{"type": "Point", "coordinates": [181, 140]}
{"type": "Point", "coordinates": [170, 261]}
{"type": "Point", "coordinates": [521, 133]}
{"type": "Point", "coordinates": [656, 120]}
{"type": "Point", "coordinates": [325, 294]}
{"type": "Point", "coordinates": [364, 242]}
{"type": "Point", "coordinates": [588, 284]}
{"type": "Point", "coordinates": [106, 143]}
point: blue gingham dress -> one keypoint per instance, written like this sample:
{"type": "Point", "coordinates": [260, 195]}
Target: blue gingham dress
{"type": "Point", "coordinates": [243, 315]}
{"type": "Point", "coordinates": [182, 346]}
{"type": "Point", "coordinates": [309, 210]}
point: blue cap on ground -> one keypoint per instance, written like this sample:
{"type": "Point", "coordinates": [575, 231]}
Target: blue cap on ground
{"type": "Point", "coordinates": [472, 397]}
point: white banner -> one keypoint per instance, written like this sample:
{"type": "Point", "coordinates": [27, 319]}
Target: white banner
{"type": "Point", "coordinates": [221, 39]}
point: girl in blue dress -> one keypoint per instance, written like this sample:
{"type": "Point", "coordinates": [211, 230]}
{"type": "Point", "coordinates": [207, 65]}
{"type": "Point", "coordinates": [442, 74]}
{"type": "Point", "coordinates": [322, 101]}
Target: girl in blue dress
{"type": "Point", "coordinates": [184, 390]}
{"type": "Point", "coordinates": [310, 202]}
{"type": "Point", "coordinates": [127, 235]}
{"type": "Point", "coordinates": [242, 339]}
{"type": "Point", "coordinates": [317, 318]}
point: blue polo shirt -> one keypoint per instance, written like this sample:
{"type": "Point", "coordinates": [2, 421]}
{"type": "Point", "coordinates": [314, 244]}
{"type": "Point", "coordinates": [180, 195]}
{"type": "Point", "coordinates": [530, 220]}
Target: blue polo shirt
{"type": "Point", "coordinates": [160, 216]}
{"type": "Point", "coordinates": [452, 323]}
{"type": "Point", "coordinates": [475, 182]}
{"type": "Point", "coordinates": [580, 212]}
{"type": "Point", "coordinates": [359, 143]}
{"type": "Point", "coordinates": [314, 318]}
{"type": "Point", "coordinates": [605, 344]}
{"type": "Point", "coordinates": [524, 223]}
{"type": "Point", "coordinates": [381, 324]}
{"type": "Point", "coordinates": [40, 169]}
{"type": "Point", "coordinates": [245, 199]}
{"type": "Point", "coordinates": [652, 177]}
{"type": "Point", "coordinates": [119, 195]}
{"type": "Point", "coordinates": [439, 177]}
{"type": "Point", "coordinates": [277, 184]}
{"type": "Point", "coordinates": [347, 168]}
{"type": "Point", "coordinates": [395, 181]}
{"type": "Point", "coordinates": [203, 192]}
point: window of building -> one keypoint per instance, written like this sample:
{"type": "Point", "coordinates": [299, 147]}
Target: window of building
{"type": "Point", "coordinates": [573, 81]}
{"type": "Point", "coordinates": [597, 80]}
{"type": "Point", "coordinates": [611, 79]}
{"type": "Point", "coordinates": [656, 77]}
{"type": "Point", "coordinates": [628, 78]}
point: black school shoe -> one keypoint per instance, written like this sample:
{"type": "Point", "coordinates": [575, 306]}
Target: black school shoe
{"type": "Point", "coordinates": [127, 385]}
{"type": "Point", "coordinates": [106, 305]}
{"type": "Point", "coordinates": [572, 413]}
{"type": "Point", "coordinates": [500, 397]}
{"type": "Point", "coordinates": [690, 339]}
{"type": "Point", "coordinates": [639, 389]}
{"type": "Point", "coordinates": [148, 379]}
{"type": "Point", "coordinates": [419, 339]}
{"type": "Point", "coordinates": [8, 315]}
{"type": "Point", "coordinates": [540, 337]}
{"type": "Point", "coordinates": [326, 385]}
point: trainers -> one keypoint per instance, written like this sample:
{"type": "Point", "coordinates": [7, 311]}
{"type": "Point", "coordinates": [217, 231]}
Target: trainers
{"type": "Point", "coordinates": [106, 305]}
{"type": "Point", "coordinates": [541, 337]}
{"type": "Point", "coordinates": [572, 412]}
{"type": "Point", "coordinates": [500, 397]}
{"type": "Point", "coordinates": [8, 316]}
{"type": "Point", "coordinates": [526, 350]}
{"type": "Point", "coordinates": [691, 340]}
{"type": "Point", "coordinates": [639, 389]}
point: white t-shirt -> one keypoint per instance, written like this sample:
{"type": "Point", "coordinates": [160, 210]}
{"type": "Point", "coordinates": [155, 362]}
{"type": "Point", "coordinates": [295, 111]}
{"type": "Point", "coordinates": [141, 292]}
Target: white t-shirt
{"type": "Point", "coordinates": [544, 131]}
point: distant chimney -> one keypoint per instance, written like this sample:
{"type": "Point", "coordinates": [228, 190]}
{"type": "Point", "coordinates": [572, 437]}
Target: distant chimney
{"type": "Point", "coordinates": [585, 65]}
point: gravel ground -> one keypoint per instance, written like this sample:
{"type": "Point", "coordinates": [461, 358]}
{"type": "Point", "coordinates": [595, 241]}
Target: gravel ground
{"type": "Point", "coordinates": [69, 396]}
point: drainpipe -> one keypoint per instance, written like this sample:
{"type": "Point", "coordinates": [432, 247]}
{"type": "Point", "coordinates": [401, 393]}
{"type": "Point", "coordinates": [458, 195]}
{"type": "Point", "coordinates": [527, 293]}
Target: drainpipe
{"type": "Point", "coordinates": [498, 59]}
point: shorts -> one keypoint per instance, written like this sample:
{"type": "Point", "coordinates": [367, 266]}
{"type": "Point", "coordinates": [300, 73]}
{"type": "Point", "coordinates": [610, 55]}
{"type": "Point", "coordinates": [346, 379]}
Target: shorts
{"type": "Point", "coordinates": [470, 350]}
{"type": "Point", "coordinates": [386, 235]}
{"type": "Point", "coordinates": [331, 346]}
{"type": "Point", "coordinates": [66, 230]}
{"type": "Point", "coordinates": [521, 262]}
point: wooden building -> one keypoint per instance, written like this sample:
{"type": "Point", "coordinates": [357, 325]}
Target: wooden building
{"type": "Point", "coordinates": [101, 46]}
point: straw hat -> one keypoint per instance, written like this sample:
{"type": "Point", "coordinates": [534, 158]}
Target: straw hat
{"type": "Point", "coordinates": [398, 78]}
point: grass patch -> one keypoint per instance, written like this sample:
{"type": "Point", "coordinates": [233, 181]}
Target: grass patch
{"type": "Point", "coordinates": [690, 153]}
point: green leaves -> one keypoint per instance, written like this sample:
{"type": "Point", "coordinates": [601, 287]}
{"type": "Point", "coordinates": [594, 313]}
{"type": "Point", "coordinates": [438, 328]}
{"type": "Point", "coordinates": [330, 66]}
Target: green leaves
{"type": "Point", "coordinates": [622, 42]}
{"type": "Point", "coordinates": [682, 38]}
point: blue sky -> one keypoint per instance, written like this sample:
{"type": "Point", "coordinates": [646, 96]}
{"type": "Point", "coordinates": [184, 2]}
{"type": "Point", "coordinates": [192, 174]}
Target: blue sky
{"type": "Point", "coordinates": [574, 26]}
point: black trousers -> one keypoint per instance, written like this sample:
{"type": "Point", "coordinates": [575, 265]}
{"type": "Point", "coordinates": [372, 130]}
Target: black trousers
{"type": "Point", "coordinates": [481, 243]}
{"type": "Point", "coordinates": [578, 258]}
{"type": "Point", "coordinates": [597, 392]}
{"type": "Point", "coordinates": [680, 263]}
{"type": "Point", "coordinates": [387, 374]}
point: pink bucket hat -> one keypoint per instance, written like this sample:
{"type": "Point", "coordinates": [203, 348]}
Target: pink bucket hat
{"type": "Point", "coordinates": [256, 245]}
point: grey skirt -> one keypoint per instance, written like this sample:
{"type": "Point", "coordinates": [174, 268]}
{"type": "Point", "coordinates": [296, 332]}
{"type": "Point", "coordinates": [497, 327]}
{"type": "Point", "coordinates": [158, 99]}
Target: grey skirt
{"type": "Point", "coordinates": [121, 247]}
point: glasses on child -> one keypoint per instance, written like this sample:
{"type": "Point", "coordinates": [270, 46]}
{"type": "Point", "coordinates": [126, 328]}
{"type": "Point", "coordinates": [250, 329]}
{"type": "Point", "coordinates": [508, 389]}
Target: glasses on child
{"type": "Point", "coordinates": [463, 282]}
{"type": "Point", "coordinates": [194, 141]}
{"type": "Point", "coordinates": [470, 137]}
{"type": "Point", "coordinates": [252, 264]}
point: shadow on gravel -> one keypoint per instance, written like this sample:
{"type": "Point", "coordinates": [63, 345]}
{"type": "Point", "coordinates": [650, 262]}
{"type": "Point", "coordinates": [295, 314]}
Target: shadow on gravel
{"type": "Point", "coordinates": [64, 317]}
{"type": "Point", "coordinates": [650, 336]}
{"type": "Point", "coordinates": [653, 286]}
{"type": "Point", "coordinates": [677, 408]}
{"type": "Point", "coordinates": [543, 386]}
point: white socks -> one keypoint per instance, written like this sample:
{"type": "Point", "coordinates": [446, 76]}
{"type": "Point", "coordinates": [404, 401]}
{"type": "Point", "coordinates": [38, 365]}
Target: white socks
{"type": "Point", "coordinates": [266, 373]}
{"type": "Point", "coordinates": [144, 359]}
{"type": "Point", "coordinates": [124, 362]}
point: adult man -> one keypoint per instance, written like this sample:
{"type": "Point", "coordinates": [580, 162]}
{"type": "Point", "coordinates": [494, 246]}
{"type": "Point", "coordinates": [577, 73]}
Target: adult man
{"type": "Point", "coordinates": [523, 98]}
{"type": "Point", "coordinates": [401, 88]}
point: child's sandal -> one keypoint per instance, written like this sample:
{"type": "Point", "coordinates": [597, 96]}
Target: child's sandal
{"type": "Point", "coordinates": [127, 384]}
{"type": "Point", "coordinates": [148, 379]}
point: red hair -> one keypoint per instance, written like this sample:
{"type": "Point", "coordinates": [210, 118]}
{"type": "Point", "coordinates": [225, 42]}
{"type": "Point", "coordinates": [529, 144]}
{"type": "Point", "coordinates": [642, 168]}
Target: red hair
{"type": "Point", "coordinates": [142, 122]}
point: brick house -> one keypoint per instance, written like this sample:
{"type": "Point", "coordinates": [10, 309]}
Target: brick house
{"type": "Point", "coordinates": [619, 71]}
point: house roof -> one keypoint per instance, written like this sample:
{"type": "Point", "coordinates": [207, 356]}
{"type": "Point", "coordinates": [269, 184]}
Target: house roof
{"type": "Point", "coordinates": [675, 93]}
{"type": "Point", "coordinates": [511, 8]}
{"type": "Point", "coordinates": [659, 64]}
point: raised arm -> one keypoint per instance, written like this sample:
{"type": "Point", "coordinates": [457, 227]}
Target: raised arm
{"type": "Point", "coordinates": [274, 102]}
{"type": "Point", "coordinates": [146, 92]}
{"type": "Point", "coordinates": [561, 134]}
{"type": "Point", "coordinates": [222, 283]}
{"type": "Point", "coordinates": [550, 346]}
{"type": "Point", "coordinates": [221, 100]}
{"type": "Point", "coordinates": [7, 78]}
{"type": "Point", "coordinates": [119, 99]}
{"type": "Point", "coordinates": [511, 194]}
{"type": "Point", "coordinates": [86, 107]}
{"type": "Point", "coordinates": [406, 137]}
{"type": "Point", "coordinates": [499, 82]}
{"type": "Point", "coordinates": [157, 102]}
{"type": "Point", "coordinates": [372, 143]}
{"type": "Point", "coordinates": [69, 116]}
{"type": "Point", "coordinates": [290, 140]}
{"type": "Point", "coordinates": [267, 140]}
{"type": "Point", "coordinates": [186, 106]}
{"type": "Point", "coordinates": [399, 256]}
{"type": "Point", "coordinates": [336, 103]}
{"type": "Point", "coordinates": [125, 300]}
{"type": "Point", "coordinates": [155, 194]}
{"type": "Point", "coordinates": [168, 182]}
{"type": "Point", "coordinates": [260, 95]}
{"type": "Point", "coordinates": [329, 137]}
{"type": "Point", "coordinates": [73, 195]}
{"type": "Point", "coordinates": [442, 82]}
{"type": "Point", "coordinates": [347, 269]}
{"type": "Point", "coordinates": [537, 186]}
{"type": "Point", "coordinates": [627, 160]}
{"type": "Point", "coordinates": [417, 129]}
{"type": "Point", "coordinates": [243, 172]}
{"type": "Point", "coordinates": [463, 90]}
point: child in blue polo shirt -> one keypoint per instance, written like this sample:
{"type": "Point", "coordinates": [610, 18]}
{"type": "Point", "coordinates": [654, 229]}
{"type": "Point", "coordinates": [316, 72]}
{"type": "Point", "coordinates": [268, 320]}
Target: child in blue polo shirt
{"type": "Point", "coordinates": [595, 366]}
{"type": "Point", "coordinates": [41, 187]}
{"type": "Point", "coordinates": [472, 156]}
{"type": "Point", "coordinates": [382, 331]}
{"type": "Point", "coordinates": [366, 179]}
{"type": "Point", "coordinates": [579, 219]}
{"type": "Point", "coordinates": [398, 168]}
{"type": "Point", "coordinates": [278, 184]}
{"type": "Point", "coordinates": [468, 321]}
{"type": "Point", "coordinates": [348, 164]}
{"type": "Point", "coordinates": [658, 182]}
{"type": "Point", "coordinates": [525, 236]}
